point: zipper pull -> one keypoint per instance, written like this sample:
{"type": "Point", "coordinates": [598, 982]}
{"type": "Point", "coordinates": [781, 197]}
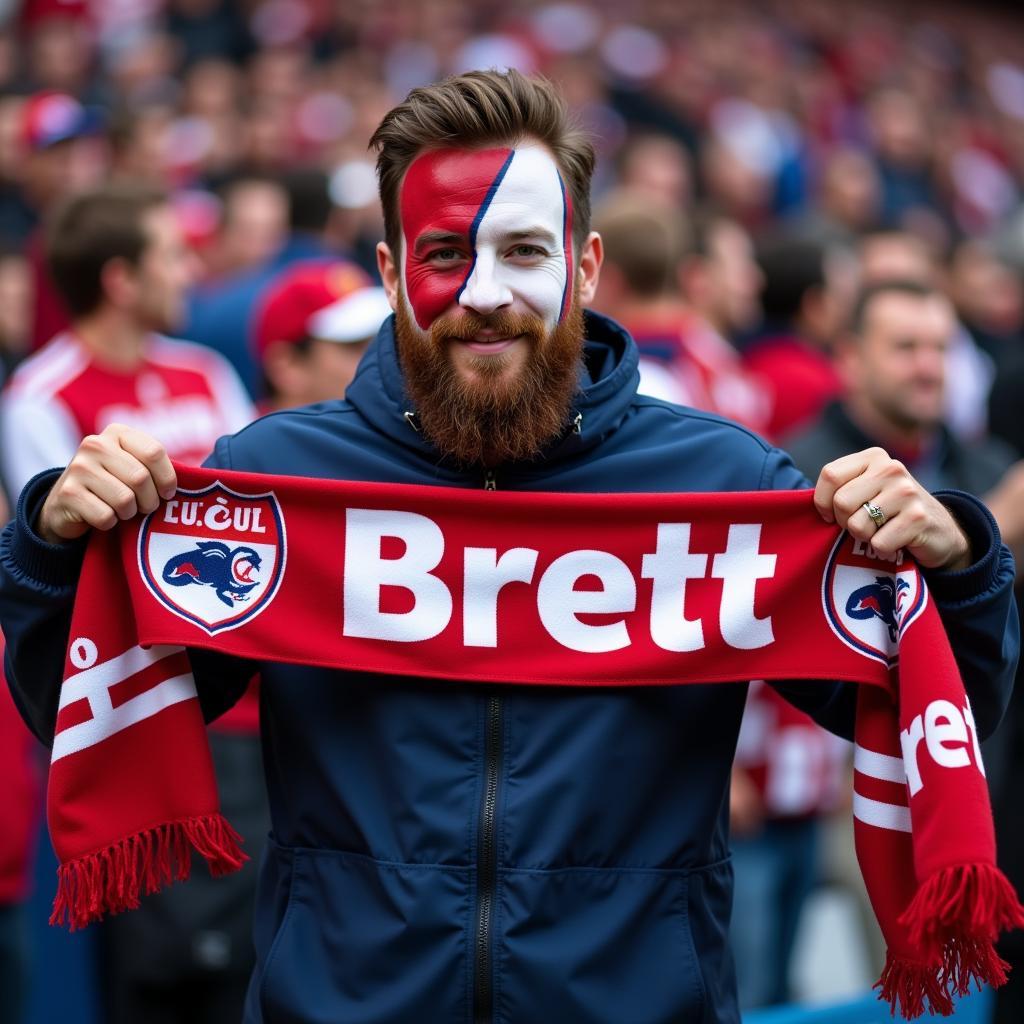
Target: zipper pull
{"type": "Point", "coordinates": [577, 424]}
{"type": "Point", "coordinates": [490, 484]}
{"type": "Point", "coordinates": [410, 418]}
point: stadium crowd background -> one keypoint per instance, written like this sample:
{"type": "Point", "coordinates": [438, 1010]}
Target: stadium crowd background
{"type": "Point", "coordinates": [759, 161]}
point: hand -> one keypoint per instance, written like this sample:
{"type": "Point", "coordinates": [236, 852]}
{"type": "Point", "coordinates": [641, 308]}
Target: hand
{"type": "Point", "coordinates": [113, 476]}
{"type": "Point", "coordinates": [913, 518]}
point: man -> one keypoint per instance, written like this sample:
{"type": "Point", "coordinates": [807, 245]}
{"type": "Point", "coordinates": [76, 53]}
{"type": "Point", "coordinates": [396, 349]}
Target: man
{"type": "Point", "coordinates": [649, 249]}
{"type": "Point", "coordinates": [312, 328]}
{"type": "Point", "coordinates": [118, 259]}
{"type": "Point", "coordinates": [894, 365]}
{"type": "Point", "coordinates": [457, 852]}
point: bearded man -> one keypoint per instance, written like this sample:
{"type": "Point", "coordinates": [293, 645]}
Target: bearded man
{"type": "Point", "coordinates": [458, 852]}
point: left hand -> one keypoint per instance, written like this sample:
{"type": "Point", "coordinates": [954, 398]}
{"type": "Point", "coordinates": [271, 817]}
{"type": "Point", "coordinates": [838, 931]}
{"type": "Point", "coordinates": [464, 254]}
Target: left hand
{"type": "Point", "coordinates": [913, 518]}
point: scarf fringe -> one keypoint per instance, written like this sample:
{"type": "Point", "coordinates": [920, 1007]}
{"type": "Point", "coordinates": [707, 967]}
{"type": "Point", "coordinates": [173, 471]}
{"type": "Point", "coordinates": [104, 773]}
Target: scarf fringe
{"type": "Point", "coordinates": [905, 985]}
{"type": "Point", "coordinates": [968, 904]}
{"type": "Point", "coordinates": [111, 880]}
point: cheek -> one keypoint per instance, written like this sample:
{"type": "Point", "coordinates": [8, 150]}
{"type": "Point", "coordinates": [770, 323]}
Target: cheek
{"type": "Point", "coordinates": [544, 289]}
{"type": "Point", "coordinates": [430, 291]}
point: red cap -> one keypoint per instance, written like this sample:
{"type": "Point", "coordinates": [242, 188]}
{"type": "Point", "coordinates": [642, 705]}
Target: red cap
{"type": "Point", "coordinates": [297, 294]}
{"type": "Point", "coordinates": [51, 117]}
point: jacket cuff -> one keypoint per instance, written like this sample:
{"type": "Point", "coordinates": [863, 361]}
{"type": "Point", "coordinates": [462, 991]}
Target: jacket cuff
{"type": "Point", "coordinates": [53, 565]}
{"type": "Point", "coordinates": [983, 535]}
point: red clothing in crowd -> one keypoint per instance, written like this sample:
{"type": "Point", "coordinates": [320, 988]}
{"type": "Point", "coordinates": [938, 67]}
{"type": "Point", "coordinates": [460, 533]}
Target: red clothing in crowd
{"type": "Point", "coordinates": [20, 799]}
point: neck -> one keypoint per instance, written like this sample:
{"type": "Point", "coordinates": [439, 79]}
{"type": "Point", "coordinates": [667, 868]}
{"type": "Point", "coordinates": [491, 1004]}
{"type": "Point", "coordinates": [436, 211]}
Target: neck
{"type": "Point", "coordinates": [876, 425]}
{"type": "Point", "coordinates": [112, 338]}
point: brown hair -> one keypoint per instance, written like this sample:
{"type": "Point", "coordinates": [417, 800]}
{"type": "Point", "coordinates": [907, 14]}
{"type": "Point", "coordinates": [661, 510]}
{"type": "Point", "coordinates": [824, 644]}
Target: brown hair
{"type": "Point", "coordinates": [92, 228]}
{"type": "Point", "coordinates": [646, 239]}
{"type": "Point", "coordinates": [475, 109]}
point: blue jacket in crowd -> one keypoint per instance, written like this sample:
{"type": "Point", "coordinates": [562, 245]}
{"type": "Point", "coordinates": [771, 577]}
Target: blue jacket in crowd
{"type": "Point", "coordinates": [458, 853]}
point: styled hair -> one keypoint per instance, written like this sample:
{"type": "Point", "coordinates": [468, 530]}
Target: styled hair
{"type": "Point", "coordinates": [891, 286]}
{"type": "Point", "coordinates": [90, 229]}
{"type": "Point", "coordinates": [474, 110]}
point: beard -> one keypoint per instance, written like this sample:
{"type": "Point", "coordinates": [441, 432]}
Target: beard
{"type": "Point", "coordinates": [500, 414]}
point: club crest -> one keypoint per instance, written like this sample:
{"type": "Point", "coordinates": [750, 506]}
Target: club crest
{"type": "Point", "coordinates": [870, 601]}
{"type": "Point", "coordinates": [214, 556]}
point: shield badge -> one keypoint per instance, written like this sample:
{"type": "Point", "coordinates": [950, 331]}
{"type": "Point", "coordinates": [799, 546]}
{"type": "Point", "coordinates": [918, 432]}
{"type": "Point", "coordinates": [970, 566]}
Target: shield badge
{"type": "Point", "coordinates": [869, 601]}
{"type": "Point", "coordinates": [214, 556]}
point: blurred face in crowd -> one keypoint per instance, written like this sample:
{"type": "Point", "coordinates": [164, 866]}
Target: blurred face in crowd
{"type": "Point", "coordinates": [734, 280]}
{"type": "Point", "coordinates": [487, 295]}
{"type": "Point", "coordinates": [254, 225]}
{"type": "Point", "coordinates": [165, 271]}
{"type": "Point", "coordinates": [313, 372]}
{"type": "Point", "coordinates": [896, 369]}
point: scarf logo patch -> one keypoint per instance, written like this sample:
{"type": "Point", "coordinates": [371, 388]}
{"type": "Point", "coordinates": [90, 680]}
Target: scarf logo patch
{"type": "Point", "coordinates": [214, 556]}
{"type": "Point", "coordinates": [869, 600]}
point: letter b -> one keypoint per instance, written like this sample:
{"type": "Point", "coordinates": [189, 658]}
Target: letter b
{"type": "Point", "coordinates": [366, 573]}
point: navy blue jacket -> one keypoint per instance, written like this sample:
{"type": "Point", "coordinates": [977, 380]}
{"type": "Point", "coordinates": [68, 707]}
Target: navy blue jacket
{"type": "Point", "coordinates": [458, 853]}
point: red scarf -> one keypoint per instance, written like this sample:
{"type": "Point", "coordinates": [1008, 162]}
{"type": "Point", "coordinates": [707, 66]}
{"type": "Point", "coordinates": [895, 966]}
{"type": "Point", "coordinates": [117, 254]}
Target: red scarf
{"type": "Point", "coordinates": [552, 589]}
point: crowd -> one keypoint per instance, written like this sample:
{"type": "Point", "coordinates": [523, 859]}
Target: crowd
{"type": "Point", "coordinates": [813, 223]}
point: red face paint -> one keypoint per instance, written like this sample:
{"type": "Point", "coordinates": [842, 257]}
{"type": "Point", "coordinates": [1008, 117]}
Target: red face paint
{"type": "Point", "coordinates": [443, 196]}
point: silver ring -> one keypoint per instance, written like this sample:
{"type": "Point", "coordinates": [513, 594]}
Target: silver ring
{"type": "Point", "coordinates": [877, 515]}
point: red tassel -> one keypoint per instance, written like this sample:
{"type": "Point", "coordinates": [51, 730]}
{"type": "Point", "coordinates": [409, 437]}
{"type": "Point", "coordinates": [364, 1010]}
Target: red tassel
{"type": "Point", "coordinates": [111, 880]}
{"type": "Point", "coordinates": [907, 985]}
{"type": "Point", "coordinates": [969, 902]}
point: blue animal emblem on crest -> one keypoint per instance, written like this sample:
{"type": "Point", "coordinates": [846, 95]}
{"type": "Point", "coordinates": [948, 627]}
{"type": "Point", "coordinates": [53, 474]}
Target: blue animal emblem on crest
{"type": "Point", "coordinates": [211, 563]}
{"type": "Point", "coordinates": [882, 599]}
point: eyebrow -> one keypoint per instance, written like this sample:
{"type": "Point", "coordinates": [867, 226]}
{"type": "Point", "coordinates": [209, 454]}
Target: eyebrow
{"type": "Point", "coordinates": [433, 237]}
{"type": "Point", "coordinates": [542, 234]}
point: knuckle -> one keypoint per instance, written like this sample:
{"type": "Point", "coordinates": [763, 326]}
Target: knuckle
{"type": "Point", "coordinates": [895, 468]}
{"type": "Point", "coordinates": [91, 443]}
{"type": "Point", "coordinates": [830, 474]}
{"type": "Point", "coordinates": [151, 451]}
{"type": "Point", "coordinates": [137, 477]}
{"type": "Point", "coordinates": [105, 520]}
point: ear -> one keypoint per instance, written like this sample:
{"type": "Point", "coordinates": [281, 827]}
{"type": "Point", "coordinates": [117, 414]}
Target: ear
{"type": "Point", "coordinates": [590, 260]}
{"type": "Point", "coordinates": [389, 276]}
{"type": "Point", "coordinates": [117, 281]}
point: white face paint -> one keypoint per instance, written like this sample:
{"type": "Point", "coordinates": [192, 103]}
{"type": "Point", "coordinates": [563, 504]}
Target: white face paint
{"type": "Point", "coordinates": [495, 231]}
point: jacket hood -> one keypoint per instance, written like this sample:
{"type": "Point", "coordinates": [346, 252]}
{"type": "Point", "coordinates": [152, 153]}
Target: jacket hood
{"type": "Point", "coordinates": [608, 383]}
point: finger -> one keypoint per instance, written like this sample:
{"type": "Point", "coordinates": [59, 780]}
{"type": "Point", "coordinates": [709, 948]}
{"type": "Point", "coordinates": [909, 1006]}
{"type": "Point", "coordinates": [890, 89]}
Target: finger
{"type": "Point", "coordinates": [78, 508]}
{"type": "Point", "coordinates": [837, 474]}
{"type": "Point", "coordinates": [126, 468]}
{"type": "Point", "coordinates": [152, 454]}
{"type": "Point", "coordinates": [107, 488]}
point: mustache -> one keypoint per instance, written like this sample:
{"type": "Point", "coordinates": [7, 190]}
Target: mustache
{"type": "Point", "coordinates": [503, 324]}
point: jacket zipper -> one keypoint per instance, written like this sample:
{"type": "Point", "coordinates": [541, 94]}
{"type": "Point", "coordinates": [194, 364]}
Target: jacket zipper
{"type": "Point", "coordinates": [487, 852]}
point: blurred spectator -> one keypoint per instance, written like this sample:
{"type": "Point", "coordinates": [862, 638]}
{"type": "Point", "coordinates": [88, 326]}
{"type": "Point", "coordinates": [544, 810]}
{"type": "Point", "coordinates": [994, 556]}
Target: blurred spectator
{"type": "Point", "coordinates": [788, 773]}
{"type": "Point", "coordinates": [312, 327]}
{"type": "Point", "coordinates": [657, 166]}
{"type": "Point", "coordinates": [893, 363]}
{"type": "Point", "coordinates": [220, 311]}
{"type": "Point", "coordinates": [253, 225]}
{"type": "Point", "coordinates": [887, 255]}
{"type": "Point", "coordinates": [989, 298]}
{"type": "Point", "coordinates": [803, 307]}
{"type": "Point", "coordinates": [119, 262]}
{"type": "Point", "coordinates": [849, 200]}
{"type": "Point", "coordinates": [63, 152]}
{"type": "Point", "coordinates": [683, 358]}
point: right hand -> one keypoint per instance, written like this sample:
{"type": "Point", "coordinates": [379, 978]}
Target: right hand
{"type": "Point", "coordinates": [113, 476]}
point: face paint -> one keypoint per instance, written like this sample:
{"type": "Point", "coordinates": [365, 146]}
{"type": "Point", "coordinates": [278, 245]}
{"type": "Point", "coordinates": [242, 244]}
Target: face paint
{"type": "Point", "coordinates": [486, 229]}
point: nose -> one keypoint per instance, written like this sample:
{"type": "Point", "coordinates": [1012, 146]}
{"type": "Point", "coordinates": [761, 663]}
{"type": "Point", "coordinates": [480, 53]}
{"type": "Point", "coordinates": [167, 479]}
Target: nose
{"type": "Point", "coordinates": [485, 291]}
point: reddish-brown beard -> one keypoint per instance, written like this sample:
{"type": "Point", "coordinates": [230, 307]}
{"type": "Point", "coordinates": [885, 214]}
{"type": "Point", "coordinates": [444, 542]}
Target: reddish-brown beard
{"type": "Point", "coordinates": [498, 416]}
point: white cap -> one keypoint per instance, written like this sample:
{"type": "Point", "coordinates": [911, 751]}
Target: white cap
{"type": "Point", "coordinates": [356, 317]}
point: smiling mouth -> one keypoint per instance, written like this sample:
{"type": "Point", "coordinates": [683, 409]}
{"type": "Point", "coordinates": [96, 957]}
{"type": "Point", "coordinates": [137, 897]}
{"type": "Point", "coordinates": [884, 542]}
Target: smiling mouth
{"type": "Point", "coordinates": [489, 346]}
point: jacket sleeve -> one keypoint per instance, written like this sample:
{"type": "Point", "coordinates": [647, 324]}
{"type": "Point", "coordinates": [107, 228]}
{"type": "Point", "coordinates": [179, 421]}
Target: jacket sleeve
{"type": "Point", "coordinates": [37, 594]}
{"type": "Point", "coordinates": [976, 606]}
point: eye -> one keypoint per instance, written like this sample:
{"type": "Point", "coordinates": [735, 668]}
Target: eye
{"type": "Point", "coordinates": [446, 255]}
{"type": "Point", "coordinates": [525, 251]}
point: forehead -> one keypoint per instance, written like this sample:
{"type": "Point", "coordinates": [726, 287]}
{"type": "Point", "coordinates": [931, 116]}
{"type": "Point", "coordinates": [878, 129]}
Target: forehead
{"type": "Point", "coordinates": [911, 316]}
{"type": "Point", "coordinates": [449, 189]}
